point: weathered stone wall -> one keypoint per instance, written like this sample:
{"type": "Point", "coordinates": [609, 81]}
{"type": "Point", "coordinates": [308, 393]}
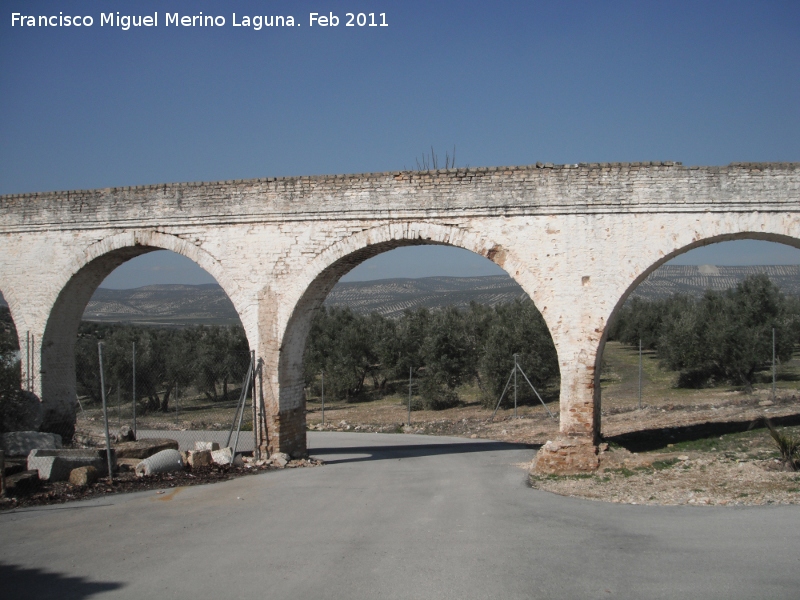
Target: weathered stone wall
{"type": "Point", "coordinates": [578, 239]}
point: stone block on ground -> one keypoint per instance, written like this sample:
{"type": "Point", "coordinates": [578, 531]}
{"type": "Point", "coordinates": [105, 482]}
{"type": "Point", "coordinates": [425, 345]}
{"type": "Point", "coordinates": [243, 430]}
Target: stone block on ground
{"type": "Point", "coordinates": [142, 449]}
{"type": "Point", "coordinates": [161, 462]}
{"type": "Point", "coordinates": [222, 456]}
{"type": "Point", "coordinates": [56, 465]}
{"type": "Point", "coordinates": [206, 446]}
{"type": "Point", "coordinates": [20, 443]}
{"type": "Point", "coordinates": [83, 476]}
{"type": "Point", "coordinates": [199, 458]}
{"type": "Point", "coordinates": [279, 459]}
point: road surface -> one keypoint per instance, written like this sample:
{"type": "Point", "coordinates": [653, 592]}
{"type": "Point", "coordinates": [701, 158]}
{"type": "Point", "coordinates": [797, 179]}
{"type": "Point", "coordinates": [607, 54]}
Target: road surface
{"type": "Point", "coordinates": [394, 516]}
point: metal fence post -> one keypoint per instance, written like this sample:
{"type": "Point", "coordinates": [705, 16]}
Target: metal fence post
{"type": "Point", "coordinates": [773, 364]}
{"type": "Point", "coordinates": [515, 386]}
{"type": "Point", "coordinates": [105, 409]}
{"type": "Point", "coordinates": [409, 397]}
{"type": "Point", "coordinates": [640, 373]}
{"type": "Point", "coordinates": [28, 361]}
{"type": "Point", "coordinates": [133, 392]}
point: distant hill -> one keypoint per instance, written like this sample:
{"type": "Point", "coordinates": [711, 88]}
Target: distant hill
{"type": "Point", "coordinates": [163, 305]}
{"type": "Point", "coordinates": [694, 280]}
{"type": "Point", "coordinates": [390, 297]}
{"type": "Point", "coordinates": [178, 305]}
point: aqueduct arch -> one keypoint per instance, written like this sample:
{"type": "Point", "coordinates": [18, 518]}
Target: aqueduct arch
{"type": "Point", "coordinates": [576, 237]}
{"type": "Point", "coordinates": [789, 234]}
{"type": "Point", "coordinates": [77, 283]}
{"type": "Point", "coordinates": [288, 399]}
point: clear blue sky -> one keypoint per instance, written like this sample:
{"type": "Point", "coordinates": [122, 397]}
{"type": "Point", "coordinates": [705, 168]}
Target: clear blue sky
{"type": "Point", "coordinates": [505, 82]}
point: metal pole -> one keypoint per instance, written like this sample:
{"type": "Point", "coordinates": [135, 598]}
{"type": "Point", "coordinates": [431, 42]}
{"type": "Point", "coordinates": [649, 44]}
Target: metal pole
{"type": "Point", "coordinates": [250, 381]}
{"type": "Point", "coordinates": [119, 406]}
{"type": "Point", "coordinates": [240, 404]}
{"type": "Point", "coordinates": [176, 403]}
{"type": "Point", "coordinates": [537, 393]}
{"type": "Point", "coordinates": [505, 389]}
{"type": "Point", "coordinates": [105, 409]}
{"type": "Point", "coordinates": [323, 398]}
{"type": "Point", "coordinates": [773, 364]}
{"type": "Point", "coordinates": [33, 362]}
{"type": "Point", "coordinates": [28, 361]}
{"type": "Point", "coordinates": [515, 386]}
{"type": "Point", "coordinates": [262, 413]}
{"type": "Point", "coordinates": [134, 390]}
{"type": "Point", "coordinates": [640, 373]}
{"type": "Point", "coordinates": [253, 406]}
{"type": "Point", "coordinates": [408, 421]}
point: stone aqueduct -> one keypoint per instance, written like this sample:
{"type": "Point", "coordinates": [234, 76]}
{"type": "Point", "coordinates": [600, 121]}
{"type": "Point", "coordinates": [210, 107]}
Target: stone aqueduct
{"type": "Point", "coordinates": [577, 238]}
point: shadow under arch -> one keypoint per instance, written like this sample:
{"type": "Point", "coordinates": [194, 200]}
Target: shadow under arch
{"type": "Point", "coordinates": [77, 285]}
{"type": "Point", "coordinates": [779, 238]}
{"type": "Point", "coordinates": [287, 430]}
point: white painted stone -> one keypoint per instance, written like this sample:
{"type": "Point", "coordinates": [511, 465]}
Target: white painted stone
{"type": "Point", "coordinates": [578, 239]}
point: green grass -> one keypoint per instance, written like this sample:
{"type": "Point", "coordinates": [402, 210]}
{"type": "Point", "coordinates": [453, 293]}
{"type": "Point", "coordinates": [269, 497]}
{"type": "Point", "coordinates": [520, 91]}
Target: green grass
{"type": "Point", "coordinates": [619, 379]}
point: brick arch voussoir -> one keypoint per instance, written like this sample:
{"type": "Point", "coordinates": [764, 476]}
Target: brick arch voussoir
{"type": "Point", "coordinates": [788, 236]}
{"type": "Point", "coordinates": [310, 286]}
{"type": "Point", "coordinates": [156, 240]}
{"type": "Point", "coordinates": [15, 309]}
{"type": "Point", "coordinates": [787, 233]}
{"type": "Point", "coordinates": [421, 232]}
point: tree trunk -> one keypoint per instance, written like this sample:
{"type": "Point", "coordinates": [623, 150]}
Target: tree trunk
{"type": "Point", "coordinates": [165, 399]}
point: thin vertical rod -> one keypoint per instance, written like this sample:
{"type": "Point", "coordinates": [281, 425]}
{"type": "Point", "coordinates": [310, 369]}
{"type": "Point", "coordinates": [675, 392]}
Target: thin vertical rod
{"type": "Point", "coordinates": [323, 398]}
{"type": "Point", "coordinates": [537, 393]}
{"type": "Point", "coordinates": [515, 386]}
{"type": "Point", "coordinates": [250, 381]}
{"type": "Point", "coordinates": [773, 364]}
{"type": "Point", "coordinates": [505, 389]}
{"type": "Point", "coordinates": [28, 361]}
{"type": "Point", "coordinates": [133, 392]}
{"type": "Point", "coordinates": [33, 362]}
{"type": "Point", "coordinates": [105, 409]}
{"type": "Point", "coordinates": [176, 403]}
{"type": "Point", "coordinates": [262, 421]}
{"type": "Point", "coordinates": [253, 405]}
{"type": "Point", "coordinates": [640, 373]}
{"type": "Point", "coordinates": [240, 404]}
{"type": "Point", "coordinates": [408, 421]}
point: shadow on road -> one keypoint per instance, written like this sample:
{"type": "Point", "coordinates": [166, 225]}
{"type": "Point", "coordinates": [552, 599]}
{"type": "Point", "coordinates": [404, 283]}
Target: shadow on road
{"type": "Point", "coordinates": [20, 582]}
{"type": "Point", "coordinates": [389, 452]}
{"type": "Point", "coordinates": [656, 439]}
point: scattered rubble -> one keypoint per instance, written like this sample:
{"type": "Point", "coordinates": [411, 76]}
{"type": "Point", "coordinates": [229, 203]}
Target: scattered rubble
{"type": "Point", "coordinates": [161, 462]}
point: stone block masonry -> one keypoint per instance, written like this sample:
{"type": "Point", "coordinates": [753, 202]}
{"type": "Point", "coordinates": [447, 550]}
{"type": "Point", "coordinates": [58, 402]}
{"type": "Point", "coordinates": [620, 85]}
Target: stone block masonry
{"type": "Point", "coordinates": [577, 238]}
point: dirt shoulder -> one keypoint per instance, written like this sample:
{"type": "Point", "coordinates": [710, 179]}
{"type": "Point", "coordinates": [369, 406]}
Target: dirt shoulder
{"type": "Point", "coordinates": [716, 452]}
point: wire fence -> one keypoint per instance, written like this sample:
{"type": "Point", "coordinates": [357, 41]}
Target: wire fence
{"type": "Point", "coordinates": [190, 399]}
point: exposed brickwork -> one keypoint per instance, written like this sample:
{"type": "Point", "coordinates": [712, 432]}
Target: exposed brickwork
{"type": "Point", "coordinates": [577, 238]}
{"type": "Point", "coordinates": [567, 456]}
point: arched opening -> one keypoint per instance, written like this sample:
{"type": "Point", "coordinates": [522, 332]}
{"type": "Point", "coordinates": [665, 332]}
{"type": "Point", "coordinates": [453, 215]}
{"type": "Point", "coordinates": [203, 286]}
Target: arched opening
{"type": "Point", "coordinates": [174, 353]}
{"type": "Point", "coordinates": [483, 337]}
{"type": "Point", "coordinates": [18, 411]}
{"type": "Point", "coordinates": [709, 317]}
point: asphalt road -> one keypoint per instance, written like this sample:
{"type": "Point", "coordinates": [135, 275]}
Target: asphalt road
{"type": "Point", "coordinates": [394, 516]}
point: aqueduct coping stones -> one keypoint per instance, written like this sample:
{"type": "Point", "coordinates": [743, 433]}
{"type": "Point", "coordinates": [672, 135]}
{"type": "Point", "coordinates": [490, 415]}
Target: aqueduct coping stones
{"type": "Point", "coordinates": [577, 238]}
